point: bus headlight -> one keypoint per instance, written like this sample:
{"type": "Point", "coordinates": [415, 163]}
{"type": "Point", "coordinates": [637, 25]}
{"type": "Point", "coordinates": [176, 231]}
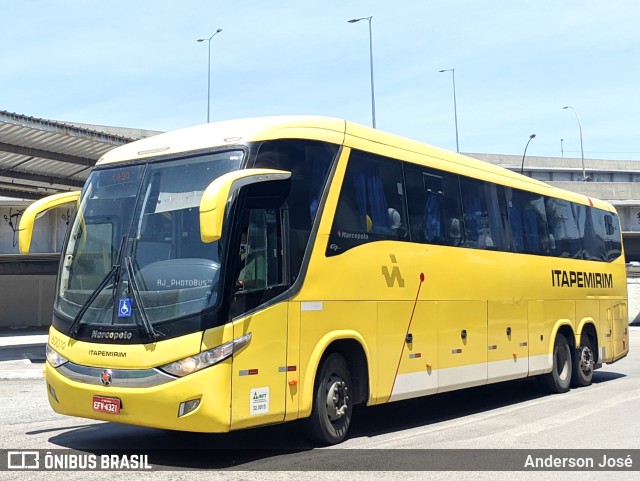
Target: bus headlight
{"type": "Point", "coordinates": [191, 364]}
{"type": "Point", "coordinates": [54, 358]}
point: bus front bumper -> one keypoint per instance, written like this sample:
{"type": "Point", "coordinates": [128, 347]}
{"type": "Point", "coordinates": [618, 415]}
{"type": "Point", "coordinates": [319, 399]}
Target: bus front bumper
{"type": "Point", "coordinates": [157, 406]}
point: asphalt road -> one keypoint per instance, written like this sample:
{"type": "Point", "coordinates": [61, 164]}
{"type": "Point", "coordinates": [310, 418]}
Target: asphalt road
{"type": "Point", "coordinates": [382, 440]}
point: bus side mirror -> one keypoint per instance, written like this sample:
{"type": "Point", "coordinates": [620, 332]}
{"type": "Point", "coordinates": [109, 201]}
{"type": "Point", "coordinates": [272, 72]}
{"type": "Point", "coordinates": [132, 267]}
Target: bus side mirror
{"type": "Point", "coordinates": [35, 210]}
{"type": "Point", "coordinates": [216, 195]}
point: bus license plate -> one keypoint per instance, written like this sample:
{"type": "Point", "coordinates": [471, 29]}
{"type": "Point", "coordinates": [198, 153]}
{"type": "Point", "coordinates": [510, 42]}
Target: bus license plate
{"type": "Point", "coordinates": [106, 404]}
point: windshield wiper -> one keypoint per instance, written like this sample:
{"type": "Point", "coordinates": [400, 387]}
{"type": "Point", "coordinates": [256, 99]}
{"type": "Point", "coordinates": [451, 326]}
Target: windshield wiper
{"type": "Point", "coordinates": [133, 283]}
{"type": "Point", "coordinates": [73, 328]}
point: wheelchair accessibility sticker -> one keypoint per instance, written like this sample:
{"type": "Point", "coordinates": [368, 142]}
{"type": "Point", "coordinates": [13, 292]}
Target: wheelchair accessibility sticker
{"type": "Point", "coordinates": [124, 308]}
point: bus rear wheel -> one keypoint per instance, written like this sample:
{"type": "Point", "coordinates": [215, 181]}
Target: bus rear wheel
{"type": "Point", "coordinates": [583, 363]}
{"type": "Point", "coordinates": [332, 404]}
{"type": "Point", "coordinates": [559, 379]}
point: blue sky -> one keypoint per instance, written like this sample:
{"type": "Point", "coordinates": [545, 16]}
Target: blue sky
{"type": "Point", "coordinates": [137, 64]}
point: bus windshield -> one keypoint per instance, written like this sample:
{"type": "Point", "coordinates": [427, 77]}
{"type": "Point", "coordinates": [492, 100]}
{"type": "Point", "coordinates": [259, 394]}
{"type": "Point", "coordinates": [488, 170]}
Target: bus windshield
{"type": "Point", "coordinates": [134, 256]}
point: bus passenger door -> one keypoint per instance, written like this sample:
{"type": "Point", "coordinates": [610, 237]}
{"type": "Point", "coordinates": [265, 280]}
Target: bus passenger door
{"type": "Point", "coordinates": [260, 369]}
{"type": "Point", "coordinates": [462, 344]}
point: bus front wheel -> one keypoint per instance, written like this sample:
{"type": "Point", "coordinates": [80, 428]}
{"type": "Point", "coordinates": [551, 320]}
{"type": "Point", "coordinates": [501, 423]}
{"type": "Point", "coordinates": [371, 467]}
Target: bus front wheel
{"type": "Point", "coordinates": [559, 379]}
{"type": "Point", "coordinates": [333, 401]}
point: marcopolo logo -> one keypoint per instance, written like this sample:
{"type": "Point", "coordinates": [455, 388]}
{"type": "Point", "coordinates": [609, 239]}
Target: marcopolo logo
{"type": "Point", "coordinates": [111, 335]}
{"type": "Point", "coordinates": [106, 377]}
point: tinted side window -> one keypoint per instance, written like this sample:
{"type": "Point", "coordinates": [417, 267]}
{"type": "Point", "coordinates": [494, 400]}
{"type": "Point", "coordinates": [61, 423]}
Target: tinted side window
{"type": "Point", "coordinates": [260, 265]}
{"type": "Point", "coordinates": [593, 242]}
{"type": "Point", "coordinates": [528, 221]}
{"type": "Point", "coordinates": [485, 215]}
{"type": "Point", "coordinates": [613, 240]}
{"type": "Point", "coordinates": [262, 251]}
{"type": "Point", "coordinates": [309, 163]}
{"type": "Point", "coordinates": [372, 203]}
{"type": "Point", "coordinates": [498, 216]}
{"type": "Point", "coordinates": [434, 206]}
{"type": "Point", "coordinates": [566, 227]}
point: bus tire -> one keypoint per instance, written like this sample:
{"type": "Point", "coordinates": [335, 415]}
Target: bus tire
{"type": "Point", "coordinates": [559, 379]}
{"type": "Point", "coordinates": [583, 363]}
{"type": "Point", "coordinates": [332, 401]}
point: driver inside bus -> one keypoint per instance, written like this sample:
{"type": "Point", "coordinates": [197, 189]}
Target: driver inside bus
{"type": "Point", "coordinates": [246, 263]}
{"type": "Point", "coordinates": [242, 259]}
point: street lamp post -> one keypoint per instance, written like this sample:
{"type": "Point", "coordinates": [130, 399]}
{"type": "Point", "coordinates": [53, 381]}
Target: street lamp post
{"type": "Point", "coordinates": [209, 72]}
{"type": "Point", "coordinates": [455, 109]}
{"type": "Point", "coordinates": [584, 172]}
{"type": "Point", "coordinates": [373, 100]}
{"type": "Point", "coordinates": [531, 137]}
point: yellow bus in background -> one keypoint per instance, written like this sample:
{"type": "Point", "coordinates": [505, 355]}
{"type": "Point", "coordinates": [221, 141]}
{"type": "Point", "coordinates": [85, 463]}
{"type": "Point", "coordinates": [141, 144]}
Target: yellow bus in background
{"type": "Point", "coordinates": [257, 271]}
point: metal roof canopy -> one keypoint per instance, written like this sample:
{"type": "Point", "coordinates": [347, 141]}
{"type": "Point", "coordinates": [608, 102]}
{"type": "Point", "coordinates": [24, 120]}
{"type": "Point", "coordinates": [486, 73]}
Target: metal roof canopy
{"type": "Point", "coordinates": [39, 157]}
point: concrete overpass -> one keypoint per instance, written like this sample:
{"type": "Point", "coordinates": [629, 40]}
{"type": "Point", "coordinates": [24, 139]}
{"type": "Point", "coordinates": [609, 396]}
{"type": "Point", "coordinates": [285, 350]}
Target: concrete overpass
{"type": "Point", "coordinates": [39, 157]}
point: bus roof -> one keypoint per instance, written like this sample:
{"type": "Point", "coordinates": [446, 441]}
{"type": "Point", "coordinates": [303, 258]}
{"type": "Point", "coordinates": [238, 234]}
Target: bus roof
{"type": "Point", "coordinates": [229, 133]}
{"type": "Point", "coordinates": [334, 130]}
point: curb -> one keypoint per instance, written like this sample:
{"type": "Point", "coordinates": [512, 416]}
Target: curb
{"type": "Point", "coordinates": [21, 369]}
{"type": "Point", "coordinates": [22, 356]}
{"type": "Point", "coordinates": [14, 341]}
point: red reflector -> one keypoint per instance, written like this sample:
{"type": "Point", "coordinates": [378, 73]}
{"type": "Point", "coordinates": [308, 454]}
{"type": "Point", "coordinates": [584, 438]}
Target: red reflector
{"type": "Point", "coordinates": [252, 372]}
{"type": "Point", "coordinates": [291, 368]}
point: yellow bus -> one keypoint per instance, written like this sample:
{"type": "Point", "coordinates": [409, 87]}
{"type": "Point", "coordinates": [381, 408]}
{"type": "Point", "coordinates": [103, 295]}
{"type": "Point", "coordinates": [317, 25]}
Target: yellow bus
{"type": "Point", "coordinates": [258, 271]}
